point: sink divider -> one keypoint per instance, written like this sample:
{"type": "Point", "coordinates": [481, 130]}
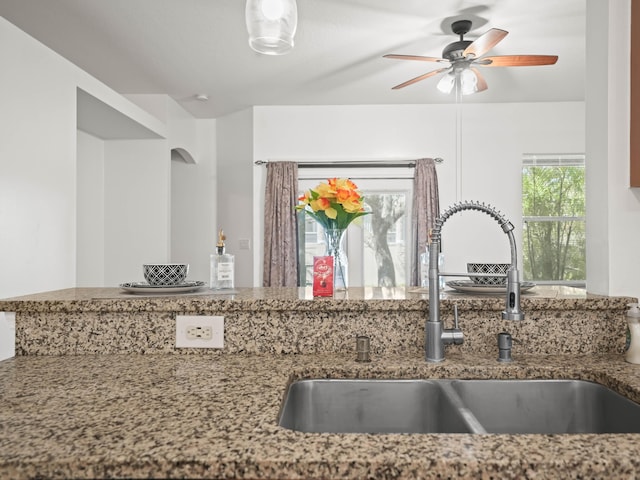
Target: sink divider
{"type": "Point", "coordinates": [469, 418]}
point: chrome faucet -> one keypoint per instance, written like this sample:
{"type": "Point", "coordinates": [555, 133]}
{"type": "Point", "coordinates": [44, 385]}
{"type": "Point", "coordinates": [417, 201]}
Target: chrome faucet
{"type": "Point", "coordinates": [436, 336]}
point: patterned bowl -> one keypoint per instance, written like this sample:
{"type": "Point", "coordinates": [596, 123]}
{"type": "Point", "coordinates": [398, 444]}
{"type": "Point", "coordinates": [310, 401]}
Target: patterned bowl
{"type": "Point", "coordinates": [165, 273]}
{"type": "Point", "coordinates": [490, 269]}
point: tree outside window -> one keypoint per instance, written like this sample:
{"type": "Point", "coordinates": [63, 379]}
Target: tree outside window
{"type": "Point", "coordinates": [553, 204]}
{"type": "Point", "coordinates": [383, 227]}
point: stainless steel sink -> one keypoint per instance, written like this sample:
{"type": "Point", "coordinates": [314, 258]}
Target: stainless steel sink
{"type": "Point", "coordinates": [547, 406]}
{"type": "Point", "coordinates": [370, 406]}
{"type": "Point", "coordinates": [457, 406]}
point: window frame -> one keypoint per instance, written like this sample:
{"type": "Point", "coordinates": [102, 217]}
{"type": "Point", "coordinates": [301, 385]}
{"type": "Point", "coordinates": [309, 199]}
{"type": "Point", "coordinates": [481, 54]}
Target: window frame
{"type": "Point", "coordinates": [553, 160]}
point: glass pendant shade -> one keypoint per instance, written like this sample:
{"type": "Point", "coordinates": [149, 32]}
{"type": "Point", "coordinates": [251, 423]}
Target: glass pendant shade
{"type": "Point", "coordinates": [271, 25]}
{"type": "Point", "coordinates": [466, 79]}
{"type": "Point", "coordinates": [468, 82]}
{"type": "Point", "coordinates": [446, 83]}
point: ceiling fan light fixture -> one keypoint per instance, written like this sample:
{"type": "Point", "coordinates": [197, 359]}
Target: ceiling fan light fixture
{"type": "Point", "coordinates": [446, 83]}
{"type": "Point", "coordinates": [463, 56]}
{"type": "Point", "coordinates": [271, 25]}
{"type": "Point", "coordinates": [464, 79]}
{"type": "Point", "coordinates": [468, 82]}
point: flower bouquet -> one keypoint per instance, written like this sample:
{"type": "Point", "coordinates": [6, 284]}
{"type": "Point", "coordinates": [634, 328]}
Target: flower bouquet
{"type": "Point", "coordinates": [334, 204]}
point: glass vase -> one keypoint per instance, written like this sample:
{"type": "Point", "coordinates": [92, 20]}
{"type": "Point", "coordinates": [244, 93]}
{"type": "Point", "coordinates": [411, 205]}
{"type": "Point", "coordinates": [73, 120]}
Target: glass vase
{"type": "Point", "coordinates": [333, 239]}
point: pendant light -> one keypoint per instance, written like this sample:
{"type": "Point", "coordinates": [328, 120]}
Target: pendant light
{"type": "Point", "coordinates": [271, 25]}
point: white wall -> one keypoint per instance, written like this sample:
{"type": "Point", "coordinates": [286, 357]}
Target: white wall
{"type": "Point", "coordinates": [494, 137]}
{"type": "Point", "coordinates": [621, 211]}
{"type": "Point", "coordinates": [37, 165]}
{"type": "Point", "coordinates": [137, 206]}
{"type": "Point", "coordinates": [613, 208]}
{"type": "Point", "coordinates": [137, 218]}
{"type": "Point", "coordinates": [235, 195]}
{"type": "Point", "coordinates": [193, 204]}
{"type": "Point", "coordinates": [38, 152]}
{"type": "Point", "coordinates": [90, 211]}
{"type": "Point", "coordinates": [129, 215]}
{"type": "Point", "coordinates": [193, 190]}
{"type": "Point", "coordinates": [597, 128]}
{"type": "Point", "coordinates": [624, 206]}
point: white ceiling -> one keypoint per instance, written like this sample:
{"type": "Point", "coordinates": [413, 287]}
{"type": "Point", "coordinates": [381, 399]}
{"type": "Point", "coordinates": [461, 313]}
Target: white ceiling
{"type": "Point", "coordinates": [187, 47]}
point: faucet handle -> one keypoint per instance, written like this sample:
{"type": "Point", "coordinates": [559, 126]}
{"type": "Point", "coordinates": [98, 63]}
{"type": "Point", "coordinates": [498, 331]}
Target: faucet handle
{"type": "Point", "coordinates": [455, 316]}
{"type": "Point", "coordinates": [453, 335]}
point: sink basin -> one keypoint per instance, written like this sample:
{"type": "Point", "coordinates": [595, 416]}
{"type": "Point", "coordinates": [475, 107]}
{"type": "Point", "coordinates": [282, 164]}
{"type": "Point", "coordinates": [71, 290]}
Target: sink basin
{"type": "Point", "coordinates": [547, 406]}
{"type": "Point", "coordinates": [457, 406]}
{"type": "Point", "coordinates": [370, 406]}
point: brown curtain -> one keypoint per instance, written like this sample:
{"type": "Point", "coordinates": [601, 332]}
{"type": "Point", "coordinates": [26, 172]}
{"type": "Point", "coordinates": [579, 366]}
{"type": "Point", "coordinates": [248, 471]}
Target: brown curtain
{"type": "Point", "coordinates": [280, 267]}
{"type": "Point", "coordinates": [426, 208]}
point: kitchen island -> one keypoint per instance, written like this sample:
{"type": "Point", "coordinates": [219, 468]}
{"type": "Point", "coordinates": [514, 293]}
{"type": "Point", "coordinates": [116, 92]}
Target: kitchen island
{"type": "Point", "coordinates": [290, 320]}
{"type": "Point", "coordinates": [106, 411]}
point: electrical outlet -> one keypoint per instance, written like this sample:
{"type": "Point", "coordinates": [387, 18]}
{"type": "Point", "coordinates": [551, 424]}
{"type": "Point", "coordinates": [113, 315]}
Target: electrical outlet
{"type": "Point", "coordinates": [199, 331]}
{"type": "Point", "coordinates": [205, 333]}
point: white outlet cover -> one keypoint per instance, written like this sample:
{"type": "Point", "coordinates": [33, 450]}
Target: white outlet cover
{"type": "Point", "coordinates": [185, 322]}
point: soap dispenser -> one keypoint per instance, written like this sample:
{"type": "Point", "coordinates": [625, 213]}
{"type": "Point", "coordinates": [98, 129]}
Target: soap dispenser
{"type": "Point", "coordinates": [222, 266]}
{"type": "Point", "coordinates": [633, 320]}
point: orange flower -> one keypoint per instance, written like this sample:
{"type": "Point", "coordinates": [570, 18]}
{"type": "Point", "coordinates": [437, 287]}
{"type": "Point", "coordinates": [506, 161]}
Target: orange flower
{"type": "Point", "coordinates": [327, 191]}
{"type": "Point", "coordinates": [305, 198]}
{"type": "Point", "coordinates": [342, 183]}
{"type": "Point", "coordinates": [334, 204]}
{"type": "Point", "coordinates": [343, 194]}
{"type": "Point", "coordinates": [320, 204]}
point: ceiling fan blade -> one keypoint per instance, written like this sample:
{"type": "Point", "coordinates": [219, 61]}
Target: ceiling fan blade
{"type": "Point", "coordinates": [415, 57]}
{"type": "Point", "coordinates": [517, 60]}
{"type": "Point", "coordinates": [485, 42]}
{"type": "Point", "coordinates": [482, 83]}
{"type": "Point", "coordinates": [421, 77]}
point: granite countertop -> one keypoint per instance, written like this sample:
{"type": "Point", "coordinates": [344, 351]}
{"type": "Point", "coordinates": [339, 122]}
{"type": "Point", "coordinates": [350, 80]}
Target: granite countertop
{"type": "Point", "coordinates": [85, 300]}
{"type": "Point", "coordinates": [168, 416]}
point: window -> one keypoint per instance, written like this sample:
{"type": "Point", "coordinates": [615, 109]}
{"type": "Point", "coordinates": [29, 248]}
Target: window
{"type": "Point", "coordinates": [312, 231]}
{"type": "Point", "coordinates": [553, 205]}
{"type": "Point", "coordinates": [385, 252]}
{"type": "Point", "coordinates": [378, 245]}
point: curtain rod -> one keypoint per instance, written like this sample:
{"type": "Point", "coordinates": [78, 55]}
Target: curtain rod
{"type": "Point", "coordinates": [355, 163]}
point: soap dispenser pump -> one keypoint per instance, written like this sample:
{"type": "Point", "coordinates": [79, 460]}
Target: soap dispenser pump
{"type": "Point", "coordinates": [633, 320]}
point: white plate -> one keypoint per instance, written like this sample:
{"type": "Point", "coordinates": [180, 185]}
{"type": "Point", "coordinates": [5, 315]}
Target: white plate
{"type": "Point", "coordinates": [468, 286]}
{"type": "Point", "coordinates": [141, 287]}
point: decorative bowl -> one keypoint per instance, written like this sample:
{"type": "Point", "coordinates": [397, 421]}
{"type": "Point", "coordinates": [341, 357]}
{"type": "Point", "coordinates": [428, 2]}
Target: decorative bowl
{"type": "Point", "coordinates": [165, 273]}
{"type": "Point", "coordinates": [490, 269]}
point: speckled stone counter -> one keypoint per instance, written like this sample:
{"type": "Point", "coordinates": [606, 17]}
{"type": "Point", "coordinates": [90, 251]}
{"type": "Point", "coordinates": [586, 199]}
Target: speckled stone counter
{"type": "Point", "coordinates": [197, 416]}
{"type": "Point", "coordinates": [195, 413]}
{"type": "Point", "coordinates": [290, 320]}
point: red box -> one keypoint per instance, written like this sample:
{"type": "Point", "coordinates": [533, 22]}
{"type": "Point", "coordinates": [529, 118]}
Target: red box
{"type": "Point", "coordinates": [322, 276]}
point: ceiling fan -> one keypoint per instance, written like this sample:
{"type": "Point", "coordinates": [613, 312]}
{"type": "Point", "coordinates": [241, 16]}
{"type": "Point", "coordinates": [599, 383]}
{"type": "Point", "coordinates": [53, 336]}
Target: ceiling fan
{"type": "Point", "coordinates": [462, 57]}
